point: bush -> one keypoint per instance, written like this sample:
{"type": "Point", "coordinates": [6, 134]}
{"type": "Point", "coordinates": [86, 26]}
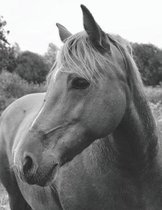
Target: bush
{"type": "Point", "coordinates": [12, 86]}
{"type": "Point", "coordinates": [4, 102]}
{"type": "Point", "coordinates": [31, 67]}
{"type": "Point", "coordinates": [149, 61]}
{"type": "Point", "coordinates": [50, 55]}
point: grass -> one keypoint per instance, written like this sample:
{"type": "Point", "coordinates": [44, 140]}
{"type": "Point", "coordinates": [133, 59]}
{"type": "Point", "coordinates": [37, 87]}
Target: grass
{"type": "Point", "coordinates": [154, 94]}
{"type": "Point", "coordinates": [13, 87]}
{"type": "Point", "coordinates": [4, 204]}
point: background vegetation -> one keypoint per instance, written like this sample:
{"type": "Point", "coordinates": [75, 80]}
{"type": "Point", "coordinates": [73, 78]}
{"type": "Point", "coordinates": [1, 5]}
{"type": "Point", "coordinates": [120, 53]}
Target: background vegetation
{"type": "Point", "coordinates": [22, 73]}
{"type": "Point", "coordinates": [149, 61]}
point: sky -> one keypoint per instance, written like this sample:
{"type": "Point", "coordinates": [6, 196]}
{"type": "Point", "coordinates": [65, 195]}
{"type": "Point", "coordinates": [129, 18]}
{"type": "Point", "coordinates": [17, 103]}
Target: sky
{"type": "Point", "coordinates": [32, 23]}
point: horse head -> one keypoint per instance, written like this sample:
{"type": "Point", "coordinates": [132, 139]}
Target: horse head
{"type": "Point", "coordinates": [85, 100]}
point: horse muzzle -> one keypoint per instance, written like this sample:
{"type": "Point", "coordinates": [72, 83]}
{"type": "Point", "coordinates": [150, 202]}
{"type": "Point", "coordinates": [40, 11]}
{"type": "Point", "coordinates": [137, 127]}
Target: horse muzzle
{"type": "Point", "coordinates": [34, 174]}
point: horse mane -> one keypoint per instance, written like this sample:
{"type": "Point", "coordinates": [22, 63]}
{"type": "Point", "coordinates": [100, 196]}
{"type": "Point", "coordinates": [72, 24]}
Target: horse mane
{"type": "Point", "coordinates": [133, 75]}
{"type": "Point", "coordinates": [78, 56]}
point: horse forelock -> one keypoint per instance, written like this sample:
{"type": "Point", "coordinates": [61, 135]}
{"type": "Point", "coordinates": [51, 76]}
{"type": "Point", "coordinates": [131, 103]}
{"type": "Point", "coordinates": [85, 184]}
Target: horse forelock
{"type": "Point", "coordinates": [78, 56]}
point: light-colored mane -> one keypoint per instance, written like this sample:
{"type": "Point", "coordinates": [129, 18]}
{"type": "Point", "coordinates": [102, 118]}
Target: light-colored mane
{"type": "Point", "coordinates": [78, 56]}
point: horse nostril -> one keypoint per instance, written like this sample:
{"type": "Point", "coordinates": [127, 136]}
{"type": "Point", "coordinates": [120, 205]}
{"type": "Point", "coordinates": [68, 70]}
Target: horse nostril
{"type": "Point", "coordinates": [28, 164]}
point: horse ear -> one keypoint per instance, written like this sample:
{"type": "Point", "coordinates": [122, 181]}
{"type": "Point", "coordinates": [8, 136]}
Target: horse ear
{"type": "Point", "coordinates": [95, 33]}
{"type": "Point", "coordinates": [63, 32]}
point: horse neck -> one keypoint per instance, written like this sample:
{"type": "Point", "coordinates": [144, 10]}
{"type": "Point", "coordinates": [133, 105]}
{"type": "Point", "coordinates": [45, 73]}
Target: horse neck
{"type": "Point", "coordinates": [136, 138]}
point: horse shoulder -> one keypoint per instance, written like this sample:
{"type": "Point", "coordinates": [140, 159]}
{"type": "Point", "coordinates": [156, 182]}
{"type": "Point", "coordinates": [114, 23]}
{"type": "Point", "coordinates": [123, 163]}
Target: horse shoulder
{"type": "Point", "coordinates": [13, 116]}
{"type": "Point", "coordinates": [12, 124]}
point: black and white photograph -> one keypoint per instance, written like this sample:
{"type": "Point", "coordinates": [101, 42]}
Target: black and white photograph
{"type": "Point", "coordinates": [80, 105]}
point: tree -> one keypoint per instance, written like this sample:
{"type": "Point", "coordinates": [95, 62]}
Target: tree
{"type": "Point", "coordinates": [149, 61]}
{"type": "Point", "coordinates": [11, 59]}
{"type": "Point", "coordinates": [16, 49]}
{"type": "Point", "coordinates": [7, 56]}
{"type": "Point", "coordinates": [3, 32]}
{"type": "Point", "coordinates": [50, 56]}
{"type": "Point", "coordinates": [31, 67]}
{"type": "Point", "coordinates": [3, 43]}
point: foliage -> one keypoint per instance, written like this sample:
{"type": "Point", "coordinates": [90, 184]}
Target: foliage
{"type": "Point", "coordinates": [13, 53]}
{"type": "Point", "coordinates": [154, 94]}
{"type": "Point", "coordinates": [13, 87]}
{"type": "Point", "coordinates": [11, 59]}
{"type": "Point", "coordinates": [149, 61]}
{"type": "Point", "coordinates": [16, 49]}
{"type": "Point", "coordinates": [50, 55]}
{"type": "Point", "coordinates": [31, 67]}
{"type": "Point", "coordinates": [3, 32]}
{"type": "Point", "coordinates": [7, 56]}
{"type": "Point", "coordinates": [4, 204]}
{"type": "Point", "coordinates": [3, 44]}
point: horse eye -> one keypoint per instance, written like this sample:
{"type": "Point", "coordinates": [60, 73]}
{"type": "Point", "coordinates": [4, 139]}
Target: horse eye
{"type": "Point", "coordinates": [80, 83]}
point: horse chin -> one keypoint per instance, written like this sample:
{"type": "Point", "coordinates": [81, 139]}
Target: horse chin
{"type": "Point", "coordinates": [49, 178]}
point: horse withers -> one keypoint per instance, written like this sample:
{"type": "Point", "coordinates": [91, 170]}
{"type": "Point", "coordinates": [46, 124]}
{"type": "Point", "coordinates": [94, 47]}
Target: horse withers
{"type": "Point", "coordinates": [89, 142]}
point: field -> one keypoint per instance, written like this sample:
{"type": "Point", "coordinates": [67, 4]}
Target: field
{"type": "Point", "coordinates": [12, 87]}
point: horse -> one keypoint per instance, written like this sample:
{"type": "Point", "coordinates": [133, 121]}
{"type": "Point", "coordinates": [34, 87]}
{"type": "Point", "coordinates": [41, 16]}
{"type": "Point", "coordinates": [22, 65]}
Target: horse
{"type": "Point", "coordinates": [90, 142]}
